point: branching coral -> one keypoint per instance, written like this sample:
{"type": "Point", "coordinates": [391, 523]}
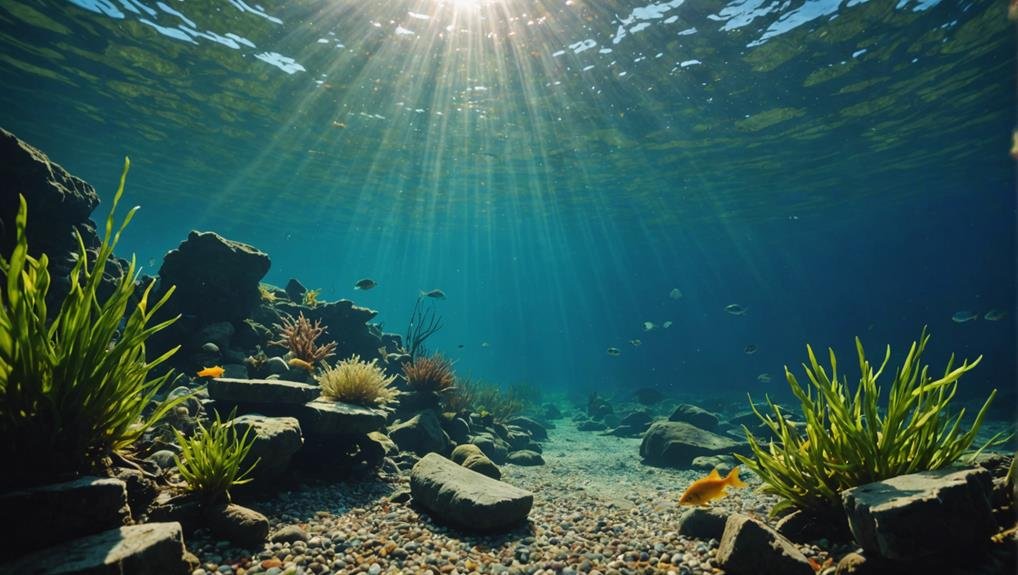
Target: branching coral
{"type": "Point", "coordinates": [300, 337]}
{"type": "Point", "coordinates": [74, 387]}
{"type": "Point", "coordinates": [429, 374]}
{"type": "Point", "coordinates": [849, 441]}
{"type": "Point", "coordinates": [358, 382]}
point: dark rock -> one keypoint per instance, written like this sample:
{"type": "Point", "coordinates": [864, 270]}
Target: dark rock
{"type": "Point", "coordinates": [289, 534]}
{"type": "Point", "coordinates": [240, 525]}
{"type": "Point", "coordinates": [748, 547]}
{"type": "Point", "coordinates": [611, 420]}
{"type": "Point", "coordinates": [598, 407]}
{"type": "Point", "coordinates": [694, 415]}
{"type": "Point", "coordinates": [633, 424]}
{"type": "Point", "coordinates": [58, 205]}
{"type": "Point", "coordinates": [526, 458]}
{"type": "Point", "coordinates": [185, 509]}
{"type": "Point", "coordinates": [216, 279]}
{"type": "Point", "coordinates": [858, 564]}
{"type": "Point", "coordinates": [494, 448]}
{"type": "Point", "coordinates": [470, 456]}
{"type": "Point", "coordinates": [466, 499]}
{"type": "Point", "coordinates": [295, 290]}
{"type": "Point", "coordinates": [536, 429]}
{"type": "Point", "coordinates": [815, 524]}
{"type": "Point", "coordinates": [591, 425]}
{"type": "Point", "coordinates": [518, 439]}
{"type": "Point", "coordinates": [255, 392]}
{"type": "Point", "coordinates": [676, 444]}
{"type": "Point", "coordinates": [164, 458]}
{"type": "Point", "coordinates": [703, 523]}
{"type": "Point", "coordinates": [141, 490]}
{"type": "Point", "coordinates": [922, 514]}
{"type": "Point", "coordinates": [551, 412]}
{"type": "Point", "coordinates": [53, 513]}
{"type": "Point", "coordinates": [723, 463]}
{"type": "Point", "coordinates": [150, 549]}
{"type": "Point", "coordinates": [218, 334]}
{"type": "Point", "coordinates": [421, 434]}
{"type": "Point", "coordinates": [499, 430]}
{"type": "Point", "coordinates": [457, 428]}
{"type": "Point", "coordinates": [276, 440]}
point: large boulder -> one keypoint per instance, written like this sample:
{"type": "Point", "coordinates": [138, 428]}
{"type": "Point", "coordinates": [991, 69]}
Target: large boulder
{"type": "Point", "coordinates": [421, 434]}
{"type": "Point", "coordinates": [150, 549]}
{"type": "Point", "coordinates": [276, 440]}
{"type": "Point", "coordinates": [922, 514]}
{"type": "Point", "coordinates": [676, 444]}
{"type": "Point", "coordinates": [703, 523]}
{"type": "Point", "coordinates": [694, 415]}
{"type": "Point", "coordinates": [58, 205]}
{"type": "Point", "coordinates": [466, 499]}
{"type": "Point", "coordinates": [54, 513]}
{"type": "Point", "coordinates": [748, 547]}
{"type": "Point", "coordinates": [537, 430]}
{"type": "Point", "coordinates": [216, 279]}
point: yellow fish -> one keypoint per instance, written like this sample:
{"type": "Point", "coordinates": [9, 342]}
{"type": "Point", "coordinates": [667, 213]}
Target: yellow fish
{"type": "Point", "coordinates": [710, 488]}
{"type": "Point", "coordinates": [215, 371]}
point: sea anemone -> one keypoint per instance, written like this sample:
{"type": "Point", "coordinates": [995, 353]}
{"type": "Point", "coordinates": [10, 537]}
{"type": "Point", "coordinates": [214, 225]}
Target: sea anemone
{"type": "Point", "coordinates": [299, 336]}
{"type": "Point", "coordinates": [358, 382]}
{"type": "Point", "coordinates": [429, 374]}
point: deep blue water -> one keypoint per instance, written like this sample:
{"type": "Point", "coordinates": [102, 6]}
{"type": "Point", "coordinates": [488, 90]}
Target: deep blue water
{"type": "Point", "coordinates": [558, 217]}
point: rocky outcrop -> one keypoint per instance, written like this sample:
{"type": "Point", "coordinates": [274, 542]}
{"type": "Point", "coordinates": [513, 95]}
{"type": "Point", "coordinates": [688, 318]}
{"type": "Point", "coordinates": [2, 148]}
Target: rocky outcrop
{"type": "Point", "coordinates": [55, 513]}
{"type": "Point", "coordinates": [676, 444]}
{"type": "Point", "coordinates": [421, 434]}
{"type": "Point", "coordinates": [466, 499]}
{"type": "Point", "coordinates": [58, 205]}
{"type": "Point", "coordinates": [216, 279]}
{"type": "Point", "coordinates": [323, 417]}
{"type": "Point", "coordinates": [694, 415]}
{"type": "Point", "coordinates": [345, 323]}
{"type": "Point", "coordinates": [150, 549]}
{"type": "Point", "coordinates": [922, 514]}
{"type": "Point", "coordinates": [748, 547]}
{"type": "Point", "coordinates": [261, 393]}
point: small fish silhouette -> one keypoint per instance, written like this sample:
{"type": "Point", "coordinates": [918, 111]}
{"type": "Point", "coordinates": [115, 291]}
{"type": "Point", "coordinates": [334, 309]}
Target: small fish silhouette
{"type": "Point", "coordinates": [364, 284]}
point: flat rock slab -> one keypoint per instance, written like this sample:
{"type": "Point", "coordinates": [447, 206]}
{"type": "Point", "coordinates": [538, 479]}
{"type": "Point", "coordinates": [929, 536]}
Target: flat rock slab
{"type": "Point", "coordinates": [324, 417]}
{"type": "Point", "coordinates": [466, 499]}
{"type": "Point", "coordinates": [677, 443]}
{"type": "Point", "coordinates": [150, 549]}
{"type": "Point", "coordinates": [922, 514]}
{"type": "Point", "coordinates": [264, 391]}
{"type": "Point", "coordinates": [50, 514]}
{"type": "Point", "coordinates": [748, 547]}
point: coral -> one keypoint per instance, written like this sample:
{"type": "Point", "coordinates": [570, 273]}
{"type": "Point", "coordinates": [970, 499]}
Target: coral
{"type": "Point", "coordinates": [267, 295]}
{"type": "Point", "coordinates": [310, 297]}
{"type": "Point", "coordinates": [210, 460]}
{"type": "Point", "coordinates": [299, 336]}
{"type": "Point", "coordinates": [429, 374]}
{"type": "Point", "coordinates": [74, 388]}
{"type": "Point", "coordinates": [849, 441]}
{"type": "Point", "coordinates": [357, 382]}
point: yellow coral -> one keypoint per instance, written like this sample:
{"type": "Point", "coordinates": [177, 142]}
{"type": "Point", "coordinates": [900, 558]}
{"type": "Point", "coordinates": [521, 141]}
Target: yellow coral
{"type": "Point", "coordinates": [311, 297]}
{"type": "Point", "coordinates": [267, 295]}
{"type": "Point", "coordinates": [358, 382]}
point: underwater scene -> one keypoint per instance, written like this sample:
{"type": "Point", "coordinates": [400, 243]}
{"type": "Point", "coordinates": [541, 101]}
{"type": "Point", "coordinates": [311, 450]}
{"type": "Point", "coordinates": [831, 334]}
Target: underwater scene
{"type": "Point", "coordinates": [509, 287]}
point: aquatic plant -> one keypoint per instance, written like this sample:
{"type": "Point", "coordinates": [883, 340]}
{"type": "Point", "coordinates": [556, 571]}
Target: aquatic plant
{"type": "Point", "coordinates": [461, 397]}
{"type": "Point", "coordinates": [849, 440]}
{"type": "Point", "coordinates": [429, 374]}
{"type": "Point", "coordinates": [424, 322]}
{"type": "Point", "coordinates": [74, 387]}
{"type": "Point", "coordinates": [211, 460]}
{"type": "Point", "coordinates": [310, 297]}
{"type": "Point", "coordinates": [300, 336]}
{"type": "Point", "coordinates": [358, 382]}
{"type": "Point", "coordinates": [266, 295]}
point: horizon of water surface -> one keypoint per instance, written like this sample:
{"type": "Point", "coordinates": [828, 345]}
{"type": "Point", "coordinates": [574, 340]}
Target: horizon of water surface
{"type": "Point", "coordinates": [839, 168]}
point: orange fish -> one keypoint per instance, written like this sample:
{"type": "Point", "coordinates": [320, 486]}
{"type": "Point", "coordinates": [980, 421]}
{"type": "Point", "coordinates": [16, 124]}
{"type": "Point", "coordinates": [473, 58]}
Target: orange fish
{"type": "Point", "coordinates": [712, 487]}
{"type": "Point", "coordinates": [216, 371]}
{"type": "Point", "coordinates": [298, 362]}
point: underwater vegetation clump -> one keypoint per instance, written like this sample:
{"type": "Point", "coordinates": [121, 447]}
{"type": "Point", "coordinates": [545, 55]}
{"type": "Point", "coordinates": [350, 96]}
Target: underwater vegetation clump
{"type": "Point", "coordinates": [469, 395]}
{"type": "Point", "coordinates": [423, 323]}
{"type": "Point", "coordinates": [358, 382]}
{"type": "Point", "coordinates": [210, 461]}
{"type": "Point", "coordinates": [74, 387]}
{"type": "Point", "coordinates": [300, 336]}
{"type": "Point", "coordinates": [429, 374]}
{"type": "Point", "coordinates": [849, 440]}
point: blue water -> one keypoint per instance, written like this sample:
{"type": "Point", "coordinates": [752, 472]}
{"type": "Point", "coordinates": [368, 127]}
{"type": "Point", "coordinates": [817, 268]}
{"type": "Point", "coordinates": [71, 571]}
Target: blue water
{"type": "Point", "coordinates": [838, 168]}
